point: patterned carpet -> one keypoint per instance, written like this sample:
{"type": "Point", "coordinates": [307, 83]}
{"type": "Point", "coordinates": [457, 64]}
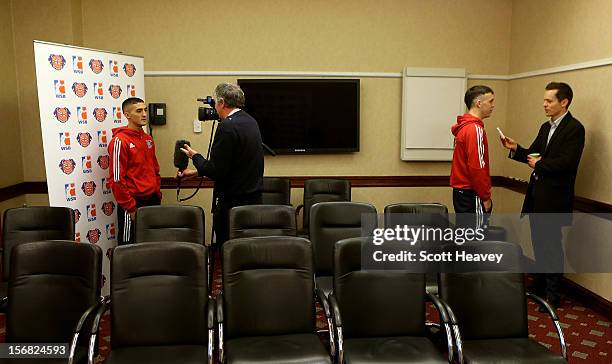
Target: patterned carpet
{"type": "Point", "coordinates": [588, 333]}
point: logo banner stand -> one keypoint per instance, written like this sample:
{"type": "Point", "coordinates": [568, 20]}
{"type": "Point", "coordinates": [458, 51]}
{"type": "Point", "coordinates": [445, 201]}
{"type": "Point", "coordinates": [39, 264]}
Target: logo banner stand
{"type": "Point", "coordinates": [80, 92]}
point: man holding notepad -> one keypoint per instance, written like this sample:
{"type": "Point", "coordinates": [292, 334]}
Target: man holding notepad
{"type": "Point", "coordinates": [554, 157]}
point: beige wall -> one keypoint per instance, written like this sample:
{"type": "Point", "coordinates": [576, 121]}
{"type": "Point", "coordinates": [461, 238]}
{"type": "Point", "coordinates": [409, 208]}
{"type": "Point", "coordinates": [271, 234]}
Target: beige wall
{"type": "Point", "coordinates": [10, 148]}
{"type": "Point", "coordinates": [319, 35]}
{"type": "Point", "coordinates": [264, 35]}
{"type": "Point", "coordinates": [549, 33]}
{"type": "Point", "coordinates": [48, 20]}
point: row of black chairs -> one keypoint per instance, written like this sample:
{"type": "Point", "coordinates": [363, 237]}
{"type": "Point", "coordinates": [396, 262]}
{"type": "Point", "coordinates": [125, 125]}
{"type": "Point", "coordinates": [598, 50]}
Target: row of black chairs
{"type": "Point", "coordinates": [247, 223]}
{"type": "Point", "coordinates": [162, 312]}
{"type": "Point", "coordinates": [277, 191]}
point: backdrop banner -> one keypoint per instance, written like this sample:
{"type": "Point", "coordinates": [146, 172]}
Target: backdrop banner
{"type": "Point", "coordinates": [80, 92]}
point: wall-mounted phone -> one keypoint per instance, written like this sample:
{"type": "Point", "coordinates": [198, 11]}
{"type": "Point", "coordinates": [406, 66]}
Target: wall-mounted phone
{"type": "Point", "coordinates": [157, 114]}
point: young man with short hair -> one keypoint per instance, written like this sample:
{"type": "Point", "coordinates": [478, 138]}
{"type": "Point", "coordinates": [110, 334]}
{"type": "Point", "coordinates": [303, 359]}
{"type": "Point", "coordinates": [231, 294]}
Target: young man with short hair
{"type": "Point", "coordinates": [470, 177]}
{"type": "Point", "coordinates": [134, 170]}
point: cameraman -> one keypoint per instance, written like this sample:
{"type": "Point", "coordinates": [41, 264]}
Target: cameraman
{"type": "Point", "coordinates": [236, 161]}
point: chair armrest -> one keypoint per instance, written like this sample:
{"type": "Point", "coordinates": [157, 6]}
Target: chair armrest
{"type": "Point", "coordinates": [298, 209]}
{"type": "Point", "coordinates": [338, 326]}
{"type": "Point", "coordinates": [320, 295]}
{"type": "Point", "coordinates": [211, 306]}
{"type": "Point", "coordinates": [543, 302]}
{"type": "Point", "coordinates": [219, 309]}
{"type": "Point", "coordinates": [445, 316]}
{"type": "Point", "coordinates": [79, 327]}
{"type": "Point", "coordinates": [555, 320]}
{"type": "Point", "coordinates": [103, 306]}
{"type": "Point", "coordinates": [440, 306]}
{"type": "Point", "coordinates": [3, 303]}
{"type": "Point", "coordinates": [335, 309]}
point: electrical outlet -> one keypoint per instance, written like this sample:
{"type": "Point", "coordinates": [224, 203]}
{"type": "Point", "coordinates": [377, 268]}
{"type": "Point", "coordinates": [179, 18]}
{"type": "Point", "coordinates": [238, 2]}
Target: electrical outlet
{"type": "Point", "coordinates": [197, 126]}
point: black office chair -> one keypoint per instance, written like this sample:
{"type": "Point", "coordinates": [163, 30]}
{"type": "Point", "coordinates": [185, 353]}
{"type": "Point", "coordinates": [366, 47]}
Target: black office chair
{"type": "Point", "coordinates": [380, 315]}
{"type": "Point", "coordinates": [333, 221]}
{"type": "Point", "coordinates": [51, 285]}
{"type": "Point", "coordinates": [262, 220]}
{"type": "Point", "coordinates": [416, 215]}
{"type": "Point", "coordinates": [321, 190]}
{"type": "Point", "coordinates": [34, 223]}
{"type": "Point", "coordinates": [170, 223]}
{"type": "Point", "coordinates": [266, 312]}
{"type": "Point", "coordinates": [276, 191]}
{"type": "Point", "coordinates": [488, 310]}
{"type": "Point", "coordinates": [160, 309]}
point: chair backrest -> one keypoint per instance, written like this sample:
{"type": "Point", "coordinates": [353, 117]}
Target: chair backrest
{"type": "Point", "coordinates": [262, 220]}
{"type": "Point", "coordinates": [376, 303]}
{"type": "Point", "coordinates": [488, 304]}
{"type": "Point", "coordinates": [276, 191]}
{"type": "Point", "coordinates": [159, 294]}
{"type": "Point", "coordinates": [34, 223]}
{"type": "Point", "coordinates": [323, 190]}
{"type": "Point", "coordinates": [416, 214]}
{"type": "Point", "coordinates": [170, 223]}
{"type": "Point", "coordinates": [268, 286]}
{"type": "Point", "coordinates": [51, 284]}
{"type": "Point", "coordinates": [333, 221]}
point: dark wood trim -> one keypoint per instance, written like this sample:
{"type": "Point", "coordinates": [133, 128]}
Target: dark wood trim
{"type": "Point", "coordinates": [8, 192]}
{"type": "Point", "coordinates": [587, 297]}
{"type": "Point", "coordinates": [23, 188]}
{"type": "Point", "coordinates": [514, 184]}
{"type": "Point", "coordinates": [580, 203]}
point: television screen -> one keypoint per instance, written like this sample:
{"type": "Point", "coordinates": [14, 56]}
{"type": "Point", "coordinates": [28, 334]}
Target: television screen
{"type": "Point", "coordinates": [305, 116]}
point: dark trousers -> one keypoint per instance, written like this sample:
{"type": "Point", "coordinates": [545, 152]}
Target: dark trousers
{"type": "Point", "coordinates": [546, 237]}
{"type": "Point", "coordinates": [469, 209]}
{"type": "Point", "coordinates": [221, 213]}
{"type": "Point", "coordinates": [125, 225]}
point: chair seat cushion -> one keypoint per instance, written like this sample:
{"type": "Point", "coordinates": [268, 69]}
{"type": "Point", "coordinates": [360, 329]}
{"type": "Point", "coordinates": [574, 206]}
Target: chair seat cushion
{"type": "Point", "coordinates": [326, 284]}
{"type": "Point", "coordinates": [294, 349]}
{"type": "Point", "coordinates": [507, 351]}
{"type": "Point", "coordinates": [405, 349]}
{"type": "Point", "coordinates": [187, 354]}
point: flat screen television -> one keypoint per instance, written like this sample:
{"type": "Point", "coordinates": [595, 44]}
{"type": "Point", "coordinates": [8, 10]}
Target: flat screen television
{"type": "Point", "coordinates": [305, 116]}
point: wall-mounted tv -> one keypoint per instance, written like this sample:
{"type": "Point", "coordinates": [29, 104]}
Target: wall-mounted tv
{"type": "Point", "coordinates": [305, 116]}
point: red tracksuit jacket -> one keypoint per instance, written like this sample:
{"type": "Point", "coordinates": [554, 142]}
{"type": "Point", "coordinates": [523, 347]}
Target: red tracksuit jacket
{"type": "Point", "coordinates": [134, 171]}
{"type": "Point", "coordinates": [470, 169]}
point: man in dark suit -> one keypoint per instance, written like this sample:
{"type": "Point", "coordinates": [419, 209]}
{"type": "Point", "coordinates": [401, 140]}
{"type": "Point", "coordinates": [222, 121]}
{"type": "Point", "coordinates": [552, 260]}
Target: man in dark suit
{"type": "Point", "coordinates": [554, 156]}
{"type": "Point", "coordinates": [236, 161]}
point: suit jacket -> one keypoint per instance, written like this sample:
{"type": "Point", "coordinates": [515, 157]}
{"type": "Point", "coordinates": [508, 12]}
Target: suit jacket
{"type": "Point", "coordinates": [551, 186]}
{"type": "Point", "coordinates": [236, 161]}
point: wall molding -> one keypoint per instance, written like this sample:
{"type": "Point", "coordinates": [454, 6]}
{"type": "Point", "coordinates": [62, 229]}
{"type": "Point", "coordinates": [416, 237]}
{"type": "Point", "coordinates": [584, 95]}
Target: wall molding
{"type": "Point", "coordinates": [517, 76]}
{"type": "Point", "coordinates": [169, 183]}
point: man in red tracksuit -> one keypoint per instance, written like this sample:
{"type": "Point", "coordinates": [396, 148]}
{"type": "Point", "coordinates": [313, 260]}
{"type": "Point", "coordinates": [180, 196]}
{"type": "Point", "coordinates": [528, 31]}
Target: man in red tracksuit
{"type": "Point", "coordinates": [470, 177]}
{"type": "Point", "coordinates": [134, 171]}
